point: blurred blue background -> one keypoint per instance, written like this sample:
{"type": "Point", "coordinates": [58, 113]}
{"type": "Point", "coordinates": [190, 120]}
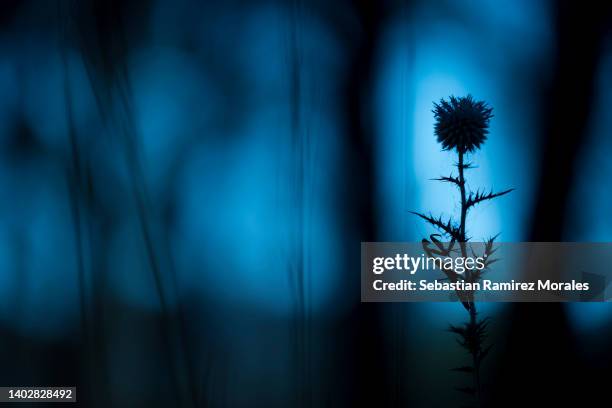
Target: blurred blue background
{"type": "Point", "coordinates": [185, 187]}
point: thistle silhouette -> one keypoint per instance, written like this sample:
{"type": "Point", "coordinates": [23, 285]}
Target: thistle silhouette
{"type": "Point", "coordinates": [462, 125]}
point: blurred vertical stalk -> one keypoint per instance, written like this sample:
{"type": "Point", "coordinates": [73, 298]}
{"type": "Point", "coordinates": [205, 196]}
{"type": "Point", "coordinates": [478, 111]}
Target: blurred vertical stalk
{"type": "Point", "coordinates": [102, 42]}
{"type": "Point", "coordinates": [299, 144]}
{"type": "Point", "coordinates": [74, 181]}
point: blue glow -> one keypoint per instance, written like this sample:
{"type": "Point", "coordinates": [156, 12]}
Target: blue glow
{"type": "Point", "coordinates": [236, 204]}
{"type": "Point", "coordinates": [432, 57]}
{"type": "Point", "coordinates": [592, 197]}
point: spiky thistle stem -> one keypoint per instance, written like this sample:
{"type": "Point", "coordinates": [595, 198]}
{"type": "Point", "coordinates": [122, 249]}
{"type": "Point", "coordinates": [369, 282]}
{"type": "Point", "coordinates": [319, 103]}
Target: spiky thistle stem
{"type": "Point", "coordinates": [461, 126]}
{"type": "Point", "coordinates": [472, 305]}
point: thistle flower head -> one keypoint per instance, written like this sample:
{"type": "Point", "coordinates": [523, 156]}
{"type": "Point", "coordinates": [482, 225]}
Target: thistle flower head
{"type": "Point", "coordinates": [462, 123]}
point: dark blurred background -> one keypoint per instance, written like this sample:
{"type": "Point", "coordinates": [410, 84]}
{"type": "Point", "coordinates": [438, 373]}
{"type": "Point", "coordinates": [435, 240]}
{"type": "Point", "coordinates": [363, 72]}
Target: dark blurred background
{"type": "Point", "coordinates": [185, 186]}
